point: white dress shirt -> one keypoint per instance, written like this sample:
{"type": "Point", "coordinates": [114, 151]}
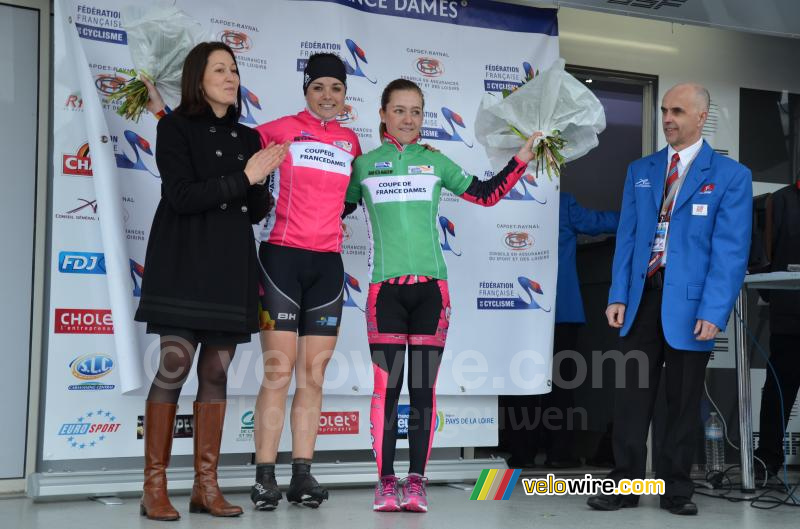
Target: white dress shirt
{"type": "Point", "coordinates": [686, 156]}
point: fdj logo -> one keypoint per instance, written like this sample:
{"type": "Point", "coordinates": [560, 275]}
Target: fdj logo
{"type": "Point", "coordinates": [89, 429]}
{"type": "Point", "coordinates": [358, 55]}
{"type": "Point", "coordinates": [525, 189]}
{"type": "Point", "coordinates": [351, 285]}
{"type": "Point", "coordinates": [249, 99]}
{"type": "Point", "coordinates": [81, 263]}
{"type": "Point", "coordinates": [448, 228]}
{"type": "Point", "coordinates": [136, 143]}
{"type": "Point", "coordinates": [430, 67]}
{"type": "Point", "coordinates": [238, 41]}
{"type": "Point", "coordinates": [95, 263]}
{"type": "Point", "coordinates": [452, 120]}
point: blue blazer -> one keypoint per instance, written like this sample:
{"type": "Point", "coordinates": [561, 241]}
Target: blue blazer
{"type": "Point", "coordinates": [572, 220]}
{"type": "Point", "coordinates": [706, 253]}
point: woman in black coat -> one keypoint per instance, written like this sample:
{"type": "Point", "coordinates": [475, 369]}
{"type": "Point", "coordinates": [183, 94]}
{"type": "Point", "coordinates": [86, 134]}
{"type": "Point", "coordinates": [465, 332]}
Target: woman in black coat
{"type": "Point", "coordinates": [200, 284]}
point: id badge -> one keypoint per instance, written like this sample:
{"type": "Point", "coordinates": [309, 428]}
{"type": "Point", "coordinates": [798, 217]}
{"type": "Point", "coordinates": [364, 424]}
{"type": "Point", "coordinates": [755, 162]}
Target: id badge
{"type": "Point", "coordinates": [660, 242]}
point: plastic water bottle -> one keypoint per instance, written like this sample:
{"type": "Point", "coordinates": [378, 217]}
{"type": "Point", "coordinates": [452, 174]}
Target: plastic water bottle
{"type": "Point", "coordinates": [715, 444]}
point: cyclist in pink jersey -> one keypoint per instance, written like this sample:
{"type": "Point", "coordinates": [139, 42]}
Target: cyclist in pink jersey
{"type": "Point", "coordinates": [302, 277]}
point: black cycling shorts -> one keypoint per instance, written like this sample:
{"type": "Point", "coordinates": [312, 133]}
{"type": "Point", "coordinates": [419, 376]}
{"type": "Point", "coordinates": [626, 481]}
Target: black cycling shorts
{"type": "Point", "coordinates": [301, 290]}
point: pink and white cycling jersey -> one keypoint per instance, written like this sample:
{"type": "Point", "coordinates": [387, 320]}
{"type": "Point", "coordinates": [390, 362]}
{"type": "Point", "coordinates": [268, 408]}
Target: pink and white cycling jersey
{"type": "Point", "coordinates": [310, 184]}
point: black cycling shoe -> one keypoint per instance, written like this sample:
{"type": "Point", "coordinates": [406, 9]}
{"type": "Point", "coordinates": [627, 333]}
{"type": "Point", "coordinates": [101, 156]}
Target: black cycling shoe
{"type": "Point", "coordinates": [265, 494]}
{"type": "Point", "coordinates": [304, 489]}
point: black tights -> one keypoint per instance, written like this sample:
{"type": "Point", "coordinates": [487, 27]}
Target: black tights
{"type": "Point", "coordinates": [423, 367]}
{"type": "Point", "coordinates": [175, 364]}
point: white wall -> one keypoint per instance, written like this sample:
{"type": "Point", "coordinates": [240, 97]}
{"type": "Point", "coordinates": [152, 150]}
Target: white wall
{"type": "Point", "coordinates": [722, 60]}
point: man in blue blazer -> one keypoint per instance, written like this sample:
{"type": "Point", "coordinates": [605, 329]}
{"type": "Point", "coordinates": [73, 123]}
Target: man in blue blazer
{"type": "Point", "coordinates": [680, 259]}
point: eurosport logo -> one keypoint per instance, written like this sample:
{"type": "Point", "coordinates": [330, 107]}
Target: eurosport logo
{"type": "Point", "coordinates": [338, 423]}
{"type": "Point", "coordinates": [504, 79]}
{"type": "Point", "coordinates": [78, 164]}
{"type": "Point", "coordinates": [249, 101]}
{"type": "Point", "coordinates": [81, 263]}
{"type": "Point", "coordinates": [238, 41]}
{"type": "Point", "coordinates": [518, 240]}
{"type": "Point", "coordinates": [100, 24]}
{"type": "Point", "coordinates": [448, 235]}
{"type": "Point", "coordinates": [136, 143]}
{"type": "Point", "coordinates": [526, 189]}
{"type": "Point", "coordinates": [435, 131]}
{"type": "Point", "coordinates": [404, 415]}
{"type": "Point", "coordinates": [503, 295]}
{"type": "Point", "coordinates": [351, 285]}
{"type": "Point", "coordinates": [89, 368]}
{"type": "Point", "coordinates": [430, 67]}
{"type": "Point", "coordinates": [83, 321]}
{"type": "Point", "coordinates": [90, 429]}
{"type": "Point", "coordinates": [183, 429]}
{"type": "Point", "coordinates": [348, 115]}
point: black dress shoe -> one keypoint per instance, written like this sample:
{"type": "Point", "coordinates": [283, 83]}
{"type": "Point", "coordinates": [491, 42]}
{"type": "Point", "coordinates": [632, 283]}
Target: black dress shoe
{"type": "Point", "coordinates": [562, 463]}
{"type": "Point", "coordinates": [612, 502]}
{"type": "Point", "coordinates": [513, 462]}
{"type": "Point", "coordinates": [678, 505]}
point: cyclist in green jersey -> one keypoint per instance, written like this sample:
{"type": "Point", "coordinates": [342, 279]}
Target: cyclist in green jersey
{"type": "Point", "coordinates": [408, 303]}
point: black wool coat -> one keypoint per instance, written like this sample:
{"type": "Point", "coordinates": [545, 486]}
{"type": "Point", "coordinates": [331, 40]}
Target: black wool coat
{"type": "Point", "coordinates": [200, 271]}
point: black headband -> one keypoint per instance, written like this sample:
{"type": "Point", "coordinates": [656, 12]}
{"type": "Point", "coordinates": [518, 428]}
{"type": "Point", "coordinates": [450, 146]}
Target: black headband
{"type": "Point", "coordinates": [323, 66]}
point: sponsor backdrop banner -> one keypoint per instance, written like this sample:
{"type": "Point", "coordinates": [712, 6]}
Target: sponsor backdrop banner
{"type": "Point", "coordinates": [502, 261]}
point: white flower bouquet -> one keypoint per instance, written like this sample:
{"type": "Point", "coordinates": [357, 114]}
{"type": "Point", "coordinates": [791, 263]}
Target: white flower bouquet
{"type": "Point", "coordinates": [553, 102]}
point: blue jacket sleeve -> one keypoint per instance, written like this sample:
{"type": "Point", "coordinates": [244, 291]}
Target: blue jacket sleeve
{"type": "Point", "coordinates": [730, 250]}
{"type": "Point", "coordinates": [591, 222]}
{"type": "Point", "coordinates": [626, 240]}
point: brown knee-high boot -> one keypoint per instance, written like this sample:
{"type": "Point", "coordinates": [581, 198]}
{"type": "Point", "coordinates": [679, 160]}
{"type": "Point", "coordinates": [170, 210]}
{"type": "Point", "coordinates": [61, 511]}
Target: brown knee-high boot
{"type": "Point", "coordinates": [206, 496]}
{"type": "Point", "coordinates": [159, 422]}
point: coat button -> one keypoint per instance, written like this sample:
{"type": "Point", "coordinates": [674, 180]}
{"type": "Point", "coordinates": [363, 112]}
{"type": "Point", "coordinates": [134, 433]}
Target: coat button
{"type": "Point", "coordinates": [240, 156]}
{"type": "Point", "coordinates": [212, 129]}
{"type": "Point", "coordinates": [244, 209]}
{"type": "Point", "coordinates": [223, 206]}
{"type": "Point", "coordinates": [234, 133]}
{"type": "Point", "coordinates": [219, 153]}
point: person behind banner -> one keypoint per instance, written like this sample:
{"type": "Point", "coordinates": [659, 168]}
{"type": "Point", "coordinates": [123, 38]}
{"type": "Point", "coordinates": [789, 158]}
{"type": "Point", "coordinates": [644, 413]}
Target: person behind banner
{"type": "Point", "coordinates": [408, 302]}
{"type": "Point", "coordinates": [302, 277]}
{"type": "Point", "coordinates": [783, 375]}
{"type": "Point", "coordinates": [523, 439]}
{"type": "Point", "coordinates": [681, 254]}
{"type": "Point", "coordinates": [200, 281]}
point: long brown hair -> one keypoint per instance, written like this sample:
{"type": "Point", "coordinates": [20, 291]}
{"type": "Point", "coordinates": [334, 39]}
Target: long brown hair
{"type": "Point", "coordinates": [392, 87]}
{"type": "Point", "coordinates": [193, 102]}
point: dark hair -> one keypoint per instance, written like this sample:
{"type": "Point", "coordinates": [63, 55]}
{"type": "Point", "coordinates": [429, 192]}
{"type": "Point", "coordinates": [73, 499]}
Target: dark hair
{"type": "Point", "coordinates": [392, 87]}
{"type": "Point", "coordinates": [193, 102]}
